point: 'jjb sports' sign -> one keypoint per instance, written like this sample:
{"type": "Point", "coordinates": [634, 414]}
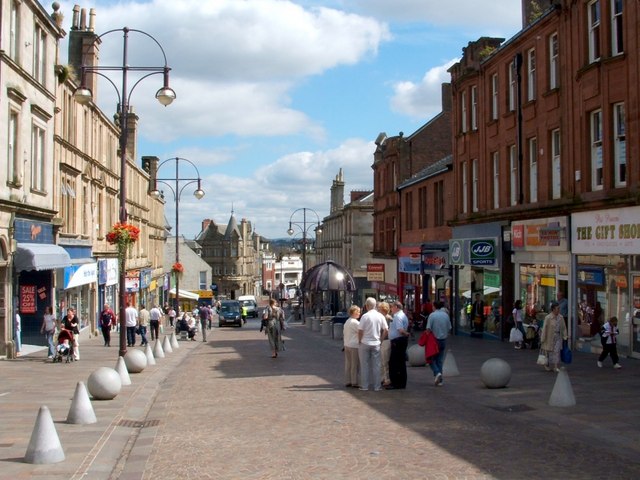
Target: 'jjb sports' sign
{"type": "Point", "coordinates": [482, 252]}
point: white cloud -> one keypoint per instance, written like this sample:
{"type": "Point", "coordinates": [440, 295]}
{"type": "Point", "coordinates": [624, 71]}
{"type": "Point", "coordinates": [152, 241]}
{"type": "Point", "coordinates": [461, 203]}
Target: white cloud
{"type": "Point", "coordinates": [270, 195]}
{"type": "Point", "coordinates": [422, 100]}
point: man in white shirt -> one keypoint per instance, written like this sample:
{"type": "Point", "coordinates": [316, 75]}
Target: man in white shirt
{"type": "Point", "coordinates": [131, 321]}
{"type": "Point", "coordinates": [371, 331]}
{"type": "Point", "coordinates": [154, 321]}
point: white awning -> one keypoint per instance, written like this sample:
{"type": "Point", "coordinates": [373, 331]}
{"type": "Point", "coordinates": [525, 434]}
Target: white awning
{"type": "Point", "coordinates": [40, 256]}
{"type": "Point", "coordinates": [184, 294]}
{"type": "Point", "coordinates": [487, 291]}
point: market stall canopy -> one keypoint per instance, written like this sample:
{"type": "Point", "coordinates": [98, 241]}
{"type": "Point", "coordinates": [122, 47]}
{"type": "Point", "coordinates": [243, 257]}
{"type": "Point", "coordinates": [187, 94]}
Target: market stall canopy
{"type": "Point", "coordinates": [40, 256]}
{"type": "Point", "coordinates": [328, 276]}
{"type": "Point", "coordinates": [184, 294]}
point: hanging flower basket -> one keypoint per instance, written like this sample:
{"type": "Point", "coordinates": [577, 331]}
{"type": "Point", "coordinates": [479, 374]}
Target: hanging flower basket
{"type": "Point", "coordinates": [177, 268]}
{"type": "Point", "coordinates": [123, 235]}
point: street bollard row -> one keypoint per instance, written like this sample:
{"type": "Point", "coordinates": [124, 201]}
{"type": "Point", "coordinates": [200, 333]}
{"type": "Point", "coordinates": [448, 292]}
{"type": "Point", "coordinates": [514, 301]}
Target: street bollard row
{"type": "Point", "coordinates": [104, 383]}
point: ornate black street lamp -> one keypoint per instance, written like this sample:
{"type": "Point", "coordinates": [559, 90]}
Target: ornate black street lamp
{"type": "Point", "coordinates": [177, 192]}
{"type": "Point", "coordinates": [304, 229]}
{"type": "Point", "coordinates": [84, 95]}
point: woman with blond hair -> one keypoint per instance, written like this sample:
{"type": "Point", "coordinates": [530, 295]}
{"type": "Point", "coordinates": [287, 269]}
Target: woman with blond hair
{"type": "Point", "coordinates": [350, 341]}
{"type": "Point", "coordinates": [385, 348]}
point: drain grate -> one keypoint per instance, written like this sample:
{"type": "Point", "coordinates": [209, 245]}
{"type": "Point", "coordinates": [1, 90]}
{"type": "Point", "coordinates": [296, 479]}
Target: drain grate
{"type": "Point", "coordinates": [514, 408]}
{"type": "Point", "coordinates": [138, 423]}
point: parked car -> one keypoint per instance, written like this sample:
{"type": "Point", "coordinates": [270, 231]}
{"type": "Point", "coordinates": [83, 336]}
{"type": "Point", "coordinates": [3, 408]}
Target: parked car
{"type": "Point", "coordinates": [250, 302]}
{"type": "Point", "coordinates": [229, 313]}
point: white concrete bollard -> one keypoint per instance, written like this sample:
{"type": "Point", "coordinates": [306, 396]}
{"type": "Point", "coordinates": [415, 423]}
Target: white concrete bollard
{"type": "Point", "coordinates": [449, 366]}
{"type": "Point", "coordinates": [104, 383]}
{"type": "Point", "coordinates": [121, 368]}
{"type": "Point", "coordinates": [174, 341]}
{"type": "Point", "coordinates": [562, 393]}
{"type": "Point", "coordinates": [158, 352]}
{"type": "Point", "coordinates": [338, 331]}
{"type": "Point", "coordinates": [44, 446]}
{"type": "Point", "coordinates": [166, 345]}
{"type": "Point", "coordinates": [416, 356]}
{"type": "Point", "coordinates": [135, 360]}
{"type": "Point", "coordinates": [81, 411]}
{"type": "Point", "coordinates": [149, 354]}
{"type": "Point", "coordinates": [495, 373]}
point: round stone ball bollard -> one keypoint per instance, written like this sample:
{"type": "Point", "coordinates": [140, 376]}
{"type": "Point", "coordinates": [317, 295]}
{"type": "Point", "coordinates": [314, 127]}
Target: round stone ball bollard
{"type": "Point", "coordinates": [495, 373]}
{"type": "Point", "coordinates": [416, 356]}
{"type": "Point", "coordinates": [104, 383]}
{"type": "Point", "coordinates": [135, 360]}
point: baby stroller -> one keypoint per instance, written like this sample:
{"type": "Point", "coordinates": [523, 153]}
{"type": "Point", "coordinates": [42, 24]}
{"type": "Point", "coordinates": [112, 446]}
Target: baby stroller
{"type": "Point", "coordinates": [64, 349]}
{"type": "Point", "coordinates": [532, 336]}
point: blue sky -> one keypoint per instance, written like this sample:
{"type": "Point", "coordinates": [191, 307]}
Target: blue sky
{"type": "Point", "coordinates": [274, 97]}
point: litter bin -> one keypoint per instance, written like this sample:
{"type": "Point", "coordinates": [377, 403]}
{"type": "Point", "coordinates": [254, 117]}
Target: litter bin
{"type": "Point", "coordinates": [315, 325]}
{"type": "Point", "coordinates": [326, 327]}
{"type": "Point", "coordinates": [338, 331]}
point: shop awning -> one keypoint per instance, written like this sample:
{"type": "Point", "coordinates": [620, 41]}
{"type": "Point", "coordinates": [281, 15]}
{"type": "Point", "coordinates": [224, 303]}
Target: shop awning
{"type": "Point", "coordinates": [184, 294]}
{"type": "Point", "coordinates": [40, 256]}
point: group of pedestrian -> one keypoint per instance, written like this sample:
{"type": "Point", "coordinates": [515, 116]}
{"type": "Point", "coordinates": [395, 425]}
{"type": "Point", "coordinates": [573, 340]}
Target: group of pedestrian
{"type": "Point", "coordinates": [369, 362]}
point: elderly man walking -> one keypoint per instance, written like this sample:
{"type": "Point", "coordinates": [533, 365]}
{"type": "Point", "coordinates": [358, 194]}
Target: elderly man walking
{"type": "Point", "coordinates": [399, 337]}
{"type": "Point", "coordinates": [439, 325]}
{"type": "Point", "coordinates": [371, 331]}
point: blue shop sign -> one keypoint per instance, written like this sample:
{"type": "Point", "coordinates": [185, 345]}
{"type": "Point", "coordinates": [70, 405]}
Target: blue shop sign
{"type": "Point", "coordinates": [145, 278]}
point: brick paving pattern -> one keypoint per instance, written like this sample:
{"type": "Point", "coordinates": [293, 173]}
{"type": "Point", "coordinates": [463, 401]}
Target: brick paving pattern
{"type": "Point", "coordinates": [226, 410]}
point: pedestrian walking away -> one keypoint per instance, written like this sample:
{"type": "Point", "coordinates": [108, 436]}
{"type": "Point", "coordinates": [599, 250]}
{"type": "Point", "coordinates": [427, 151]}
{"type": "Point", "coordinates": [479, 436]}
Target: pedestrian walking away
{"type": "Point", "coordinates": [372, 329]}
{"type": "Point", "coordinates": [155, 314]}
{"type": "Point", "coordinates": [350, 344]}
{"type": "Point", "coordinates": [609, 339]}
{"type": "Point", "coordinates": [399, 336]}
{"type": "Point", "coordinates": [439, 324]}
{"type": "Point", "coordinates": [143, 323]}
{"type": "Point", "coordinates": [107, 320]}
{"type": "Point", "coordinates": [204, 313]}
{"type": "Point", "coordinates": [48, 328]}
{"type": "Point", "coordinates": [131, 322]}
{"type": "Point", "coordinates": [554, 331]}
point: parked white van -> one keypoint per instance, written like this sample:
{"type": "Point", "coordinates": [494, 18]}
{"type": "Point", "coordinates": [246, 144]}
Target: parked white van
{"type": "Point", "coordinates": [251, 303]}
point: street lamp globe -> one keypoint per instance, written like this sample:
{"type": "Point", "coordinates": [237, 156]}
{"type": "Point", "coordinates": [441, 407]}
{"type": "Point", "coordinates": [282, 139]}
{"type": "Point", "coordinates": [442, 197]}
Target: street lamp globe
{"type": "Point", "coordinates": [83, 95]}
{"type": "Point", "coordinates": [166, 96]}
{"type": "Point", "coordinates": [290, 231]}
{"type": "Point", "coordinates": [199, 193]}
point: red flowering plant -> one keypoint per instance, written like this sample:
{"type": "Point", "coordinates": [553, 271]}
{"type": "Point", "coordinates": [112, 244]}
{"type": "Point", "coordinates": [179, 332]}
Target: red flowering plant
{"type": "Point", "coordinates": [123, 235]}
{"type": "Point", "coordinates": [177, 267]}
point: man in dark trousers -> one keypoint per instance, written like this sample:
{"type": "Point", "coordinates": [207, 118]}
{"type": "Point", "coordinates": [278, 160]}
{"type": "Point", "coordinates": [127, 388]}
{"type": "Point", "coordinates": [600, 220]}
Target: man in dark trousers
{"type": "Point", "coordinates": [477, 314]}
{"type": "Point", "coordinates": [399, 337]}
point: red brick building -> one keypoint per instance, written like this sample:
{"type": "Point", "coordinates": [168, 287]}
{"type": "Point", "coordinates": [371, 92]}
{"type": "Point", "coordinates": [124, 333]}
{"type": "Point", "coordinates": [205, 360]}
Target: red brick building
{"type": "Point", "coordinates": [546, 156]}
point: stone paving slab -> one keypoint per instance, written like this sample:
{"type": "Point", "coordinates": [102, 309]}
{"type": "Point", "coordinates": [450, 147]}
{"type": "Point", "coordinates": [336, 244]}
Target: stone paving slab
{"type": "Point", "coordinates": [224, 409]}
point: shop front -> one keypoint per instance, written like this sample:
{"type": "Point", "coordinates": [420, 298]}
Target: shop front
{"type": "Point", "coordinates": [410, 279]}
{"type": "Point", "coordinates": [475, 254]}
{"type": "Point", "coordinates": [383, 275]}
{"type": "Point", "coordinates": [79, 285]}
{"type": "Point", "coordinates": [108, 283]}
{"type": "Point", "coordinates": [606, 249]}
{"type": "Point", "coordinates": [542, 268]}
{"type": "Point", "coordinates": [35, 262]}
{"type": "Point", "coordinates": [436, 273]}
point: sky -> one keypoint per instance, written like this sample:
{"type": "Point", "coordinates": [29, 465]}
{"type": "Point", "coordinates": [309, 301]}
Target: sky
{"type": "Point", "coordinates": [274, 97]}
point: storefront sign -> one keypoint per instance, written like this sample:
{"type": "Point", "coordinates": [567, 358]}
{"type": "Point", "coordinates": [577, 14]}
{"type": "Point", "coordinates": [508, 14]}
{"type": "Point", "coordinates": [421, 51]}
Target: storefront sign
{"type": "Point", "coordinates": [78, 275]}
{"type": "Point", "coordinates": [456, 252]}
{"type": "Point", "coordinates": [409, 264]}
{"type": "Point", "coordinates": [545, 234]}
{"type": "Point", "coordinates": [28, 299]}
{"type": "Point", "coordinates": [615, 231]}
{"type": "Point", "coordinates": [375, 272]}
{"type": "Point", "coordinates": [434, 260]}
{"type": "Point", "coordinates": [482, 252]}
{"type": "Point", "coordinates": [591, 276]}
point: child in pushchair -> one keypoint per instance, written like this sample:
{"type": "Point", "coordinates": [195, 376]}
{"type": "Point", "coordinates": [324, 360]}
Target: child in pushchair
{"type": "Point", "coordinates": [64, 349]}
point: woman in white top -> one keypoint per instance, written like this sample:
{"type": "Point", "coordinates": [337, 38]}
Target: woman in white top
{"type": "Point", "coordinates": [48, 328]}
{"type": "Point", "coordinates": [350, 338]}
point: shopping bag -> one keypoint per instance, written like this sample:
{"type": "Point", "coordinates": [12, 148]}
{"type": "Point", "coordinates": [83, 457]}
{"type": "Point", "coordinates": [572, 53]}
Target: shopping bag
{"type": "Point", "coordinates": [542, 359]}
{"type": "Point", "coordinates": [565, 354]}
{"type": "Point", "coordinates": [515, 335]}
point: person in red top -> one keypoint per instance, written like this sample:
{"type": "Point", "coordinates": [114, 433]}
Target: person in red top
{"type": "Point", "coordinates": [107, 320]}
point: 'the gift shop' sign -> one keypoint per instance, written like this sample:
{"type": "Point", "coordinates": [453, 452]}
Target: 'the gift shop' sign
{"type": "Point", "coordinates": [615, 231]}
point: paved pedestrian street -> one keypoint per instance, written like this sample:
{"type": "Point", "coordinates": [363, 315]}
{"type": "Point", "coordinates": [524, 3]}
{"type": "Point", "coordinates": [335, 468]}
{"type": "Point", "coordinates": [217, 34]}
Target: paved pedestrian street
{"type": "Point", "coordinates": [225, 409]}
